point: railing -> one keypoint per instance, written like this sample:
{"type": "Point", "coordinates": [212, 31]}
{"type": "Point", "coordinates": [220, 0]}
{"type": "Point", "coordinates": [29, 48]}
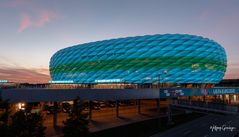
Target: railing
{"type": "Point", "coordinates": [207, 105]}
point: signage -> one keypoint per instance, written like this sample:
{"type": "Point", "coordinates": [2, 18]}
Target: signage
{"type": "Point", "coordinates": [108, 80]}
{"type": "Point", "coordinates": [61, 81]}
{"type": "Point", "coordinates": [173, 93]}
{"type": "Point", "coordinates": [3, 81]}
{"type": "Point", "coordinates": [220, 91]}
{"type": "Point", "coordinates": [176, 92]}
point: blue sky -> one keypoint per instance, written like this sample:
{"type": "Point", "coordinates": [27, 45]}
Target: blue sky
{"type": "Point", "coordinates": [32, 30]}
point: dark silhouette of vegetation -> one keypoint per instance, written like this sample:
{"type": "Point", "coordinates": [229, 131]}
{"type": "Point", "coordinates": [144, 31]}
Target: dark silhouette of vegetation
{"type": "Point", "coordinates": [23, 123]}
{"type": "Point", "coordinates": [27, 124]}
{"type": "Point", "coordinates": [77, 123]}
{"type": "Point", "coordinates": [4, 116]}
{"type": "Point", "coordinates": [4, 113]}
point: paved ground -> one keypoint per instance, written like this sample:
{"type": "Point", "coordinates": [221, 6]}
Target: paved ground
{"type": "Point", "coordinates": [101, 123]}
{"type": "Point", "coordinates": [106, 117]}
{"type": "Point", "coordinates": [201, 127]}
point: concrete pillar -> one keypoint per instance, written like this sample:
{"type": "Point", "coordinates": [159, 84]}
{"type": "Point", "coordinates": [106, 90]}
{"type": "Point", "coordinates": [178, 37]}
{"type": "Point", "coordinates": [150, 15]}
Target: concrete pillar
{"type": "Point", "coordinates": [158, 105]}
{"type": "Point", "coordinates": [55, 114]}
{"type": "Point", "coordinates": [190, 100]}
{"type": "Point", "coordinates": [170, 121]}
{"type": "Point", "coordinates": [139, 106]}
{"type": "Point", "coordinates": [223, 99]}
{"type": "Point", "coordinates": [90, 110]}
{"type": "Point", "coordinates": [117, 108]}
{"type": "Point", "coordinates": [230, 99]}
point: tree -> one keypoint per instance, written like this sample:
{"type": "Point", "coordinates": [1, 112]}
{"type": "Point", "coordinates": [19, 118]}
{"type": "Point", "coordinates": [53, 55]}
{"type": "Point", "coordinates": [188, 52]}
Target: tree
{"type": "Point", "coordinates": [4, 115]}
{"type": "Point", "coordinates": [23, 123]}
{"type": "Point", "coordinates": [27, 124]}
{"type": "Point", "coordinates": [77, 123]}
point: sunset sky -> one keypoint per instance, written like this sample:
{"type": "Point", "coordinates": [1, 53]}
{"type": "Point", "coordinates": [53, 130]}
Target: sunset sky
{"type": "Point", "coordinates": [31, 31]}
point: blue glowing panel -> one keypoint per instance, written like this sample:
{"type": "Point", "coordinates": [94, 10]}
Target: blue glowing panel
{"type": "Point", "coordinates": [170, 58]}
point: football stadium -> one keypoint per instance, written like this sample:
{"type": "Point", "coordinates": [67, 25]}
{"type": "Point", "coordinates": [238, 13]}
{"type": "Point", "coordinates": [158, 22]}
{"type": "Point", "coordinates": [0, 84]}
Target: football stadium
{"type": "Point", "coordinates": [169, 58]}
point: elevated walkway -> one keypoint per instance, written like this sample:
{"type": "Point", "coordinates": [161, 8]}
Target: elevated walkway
{"type": "Point", "coordinates": [51, 95]}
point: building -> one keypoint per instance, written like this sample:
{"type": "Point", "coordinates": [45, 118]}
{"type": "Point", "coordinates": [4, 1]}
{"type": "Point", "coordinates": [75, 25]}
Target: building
{"type": "Point", "coordinates": [149, 59]}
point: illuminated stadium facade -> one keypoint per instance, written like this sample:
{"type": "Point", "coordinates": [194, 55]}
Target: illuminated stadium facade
{"type": "Point", "coordinates": [168, 58]}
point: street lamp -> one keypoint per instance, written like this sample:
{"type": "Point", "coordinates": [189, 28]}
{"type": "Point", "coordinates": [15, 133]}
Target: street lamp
{"type": "Point", "coordinates": [158, 101]}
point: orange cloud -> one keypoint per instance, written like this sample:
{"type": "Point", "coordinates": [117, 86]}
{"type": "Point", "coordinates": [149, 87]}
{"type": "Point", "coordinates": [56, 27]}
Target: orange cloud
{"type": "Point", "coordinates": [25, 23]}
{"type": "Point", "coordinates": [41, 19]}
{"type": "Point", "coordinates": [44, 17]}
{"type": "Point", "coordinates": [35, 14]}
{"type": "Point", "coordinates": [24, 75]}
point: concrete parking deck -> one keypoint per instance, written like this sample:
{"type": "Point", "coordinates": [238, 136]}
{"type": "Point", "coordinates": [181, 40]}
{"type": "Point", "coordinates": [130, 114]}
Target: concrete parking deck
{"type": "Point", "coordinates": [101, 123]}
{"type": "Point", "coordinates": [106, 117]}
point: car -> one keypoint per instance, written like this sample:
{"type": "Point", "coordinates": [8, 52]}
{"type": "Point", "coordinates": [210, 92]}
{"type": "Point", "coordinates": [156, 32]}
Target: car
{"type": "Point", "coordinates": [102, 104]}
{"type": "Point", "coordinates": [66, 107]}
{"type": "Point", "coordinates": [50, 109]}
{"type": "Point", "coordinates": [95, 105]}
{"type": "Point", "coordinates": [111, 104]}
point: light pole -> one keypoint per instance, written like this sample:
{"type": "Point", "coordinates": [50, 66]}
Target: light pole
{"type": "Point", "coordinates": [158, 101]}
{"type": "Point", "coordinates": [170, 121]}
